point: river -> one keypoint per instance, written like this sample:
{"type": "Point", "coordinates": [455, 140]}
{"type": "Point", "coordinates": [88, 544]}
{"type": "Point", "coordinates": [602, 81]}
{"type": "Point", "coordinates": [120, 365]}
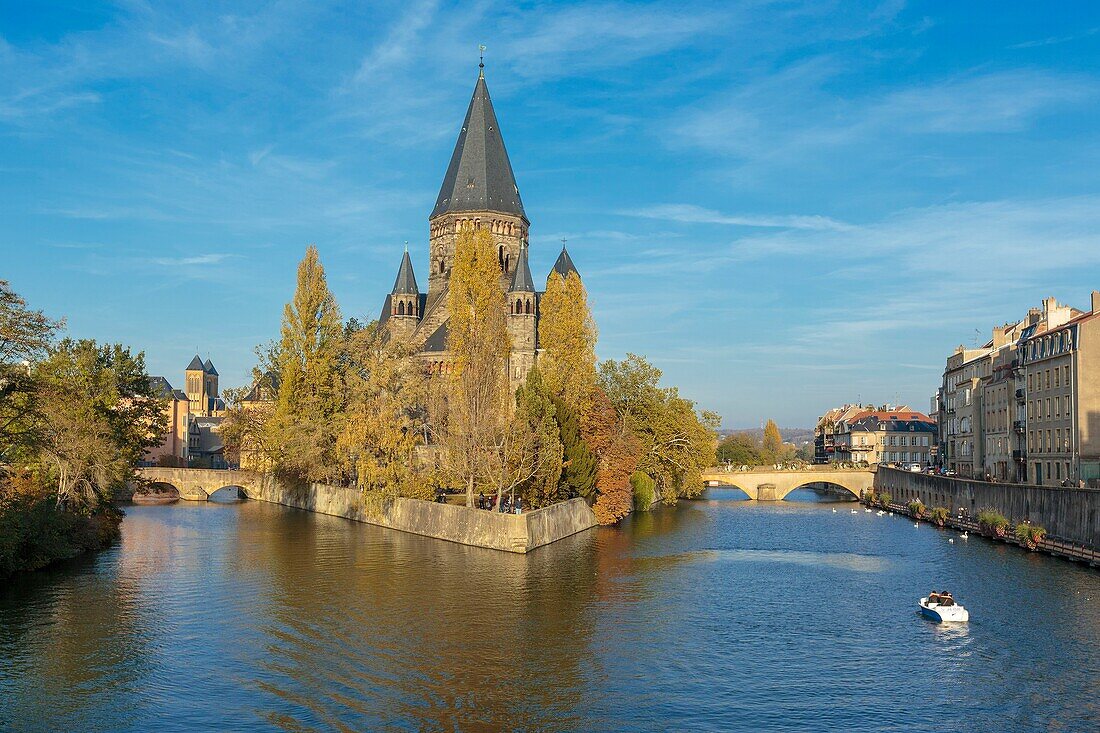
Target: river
{"type": "Point", "coordinates": [717, 615]}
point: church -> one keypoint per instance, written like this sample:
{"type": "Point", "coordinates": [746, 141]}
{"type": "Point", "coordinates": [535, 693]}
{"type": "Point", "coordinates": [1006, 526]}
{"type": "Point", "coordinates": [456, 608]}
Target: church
{"type": "Point", "coordinates": [479, 191]}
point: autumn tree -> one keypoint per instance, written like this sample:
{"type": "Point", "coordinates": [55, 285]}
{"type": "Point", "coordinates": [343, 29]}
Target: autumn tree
{"type": "Point", "coordinates": [773, 442]}
{"type": "Point", "coordinates": [306, 419]}
{"type": "Point", "coordinates": [477, 412]}
{"type": "Point", "coordinates": [618, 449]}
{"type": "Point", "coordinates": [567, 335]}
{"type": "Point", "coordinates": [386, 417]}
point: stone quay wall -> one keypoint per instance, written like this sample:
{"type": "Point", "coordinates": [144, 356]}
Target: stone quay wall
{"type": "Point", "coordinates": [1067, 514]}
{"type": "Point", "coordinates": [519, 533]}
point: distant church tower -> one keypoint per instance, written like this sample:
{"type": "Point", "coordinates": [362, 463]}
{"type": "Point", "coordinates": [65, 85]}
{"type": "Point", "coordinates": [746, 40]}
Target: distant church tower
{"type": "Point", "coordinates": [479, 191]}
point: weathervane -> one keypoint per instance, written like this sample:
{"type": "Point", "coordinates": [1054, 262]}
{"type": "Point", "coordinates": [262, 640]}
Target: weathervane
{"type": "Point", "coordinates": [481, 51]}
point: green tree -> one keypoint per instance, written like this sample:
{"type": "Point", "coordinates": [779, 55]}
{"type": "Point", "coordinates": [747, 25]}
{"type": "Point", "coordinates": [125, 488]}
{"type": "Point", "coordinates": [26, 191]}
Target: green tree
{"type": "Point", "coordinates": [97, 415]}
{"type": "Point", "coordinates": [567, 335]}
{"type": "Point", "coordinates": [580, 465]}
{"type": "Point", "coordinates": [772, 450]}
{"type": "Point", "coordinates": [678, 444]}
{"type": "Point", "coordinates": [25, 336]}
{"type": "Point", "coordinates": [740, 449]}
{"type": "Point", "coordinates": [472, 417]}
{"type": "Point", "coordinates": [530, 455]}
{"type": "Point", "coordinates": [308, 359]}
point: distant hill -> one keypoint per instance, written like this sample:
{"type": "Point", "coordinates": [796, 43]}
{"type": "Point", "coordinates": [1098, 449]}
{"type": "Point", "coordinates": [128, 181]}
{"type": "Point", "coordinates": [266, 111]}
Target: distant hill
{"type": "Point", "coordinates": [794, 436]}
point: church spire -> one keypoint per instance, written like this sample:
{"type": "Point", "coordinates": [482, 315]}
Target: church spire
{"type": "Point", "coordinates": [405, 284]}
{"type": "Point", "coordinates": [522, 282]}
{"type": "Point", "coordinates": [479, 177]}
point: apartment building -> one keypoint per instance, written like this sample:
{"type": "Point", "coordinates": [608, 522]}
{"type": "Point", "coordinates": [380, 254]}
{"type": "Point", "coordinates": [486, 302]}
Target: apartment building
{"type": "Point", "coordinates": [1025, 406]}
{"type": "Point", "coordinates": [883, 435]}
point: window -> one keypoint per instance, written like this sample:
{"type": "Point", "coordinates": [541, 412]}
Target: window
{"type": "Point", "coordinates": [1047, 380]}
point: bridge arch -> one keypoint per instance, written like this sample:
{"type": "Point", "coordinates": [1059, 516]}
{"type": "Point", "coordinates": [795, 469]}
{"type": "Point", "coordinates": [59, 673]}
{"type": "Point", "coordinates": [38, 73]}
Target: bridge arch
{"type": "Point", "coordinates": [229, 492]}
{"type": "Point", "coordinates": [850, 494]}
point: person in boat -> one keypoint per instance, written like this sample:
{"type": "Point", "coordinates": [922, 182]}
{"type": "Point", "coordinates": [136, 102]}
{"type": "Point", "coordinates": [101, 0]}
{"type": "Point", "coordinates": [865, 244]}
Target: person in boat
{"type": "Point", "coordinates": [946, 599]}
{"type": "Point", "coordinates": [933, 597]}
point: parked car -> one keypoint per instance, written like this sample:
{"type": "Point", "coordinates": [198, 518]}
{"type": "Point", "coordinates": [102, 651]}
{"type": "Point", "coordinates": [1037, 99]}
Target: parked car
{"type": "Point", "coordinates": [914, 467]}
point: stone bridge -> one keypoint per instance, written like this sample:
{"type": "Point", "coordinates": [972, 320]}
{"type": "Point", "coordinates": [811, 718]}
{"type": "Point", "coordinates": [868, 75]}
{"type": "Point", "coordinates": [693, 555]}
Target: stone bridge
{"type": "Point", "coordinates": [197, 484]}
{"type": "Point", "coordinates": [771, 484]}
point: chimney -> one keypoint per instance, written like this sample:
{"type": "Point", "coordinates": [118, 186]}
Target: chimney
{"type": "Point", "coordinates": [1096, 301]}
{"type": "Point", "coordinates": [1000, 336]}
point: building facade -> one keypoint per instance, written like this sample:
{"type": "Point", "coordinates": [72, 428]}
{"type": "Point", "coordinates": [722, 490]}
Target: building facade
{"type": "Point", "coordinates": [1025, 406]}
{"type": "Point", "coordinates": [897, 435]}
{"type": "Point", "coordinates": [192, 418]}
{"type": "Point", "coordinates": [479, 192]}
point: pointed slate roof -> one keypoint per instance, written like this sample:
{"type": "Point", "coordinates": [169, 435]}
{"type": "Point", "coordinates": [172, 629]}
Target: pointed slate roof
{"type": "Point", "coordinates": [208, 367]}
{"type": "Point", "coordinates": [564, 265]}
{"type": "Point", "coordinates": [480, 176]}
{"type": "Point", "coordinates": [405, 284]}
{"type": "Point", "coordinates": [522, 281]}
{"type": "Point", "coordinates": [196, 365]}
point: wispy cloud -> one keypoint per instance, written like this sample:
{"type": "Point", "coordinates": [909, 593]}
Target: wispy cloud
{"type": "Point", "coordinates": [1055, 40]}
{"type": "Point", "coordinates": [690, 213]}
{"type": "Point", "coordinates": [192, 261]}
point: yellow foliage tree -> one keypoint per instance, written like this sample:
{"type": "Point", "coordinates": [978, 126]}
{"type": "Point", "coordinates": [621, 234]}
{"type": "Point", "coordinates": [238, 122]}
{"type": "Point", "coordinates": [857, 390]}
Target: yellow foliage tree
{"type": "Point", "coordinates": [567, 336]}
{"type": "Point", "coordinates": [477, 399]}
{"type": "Point", "coordinates": [385, 417]}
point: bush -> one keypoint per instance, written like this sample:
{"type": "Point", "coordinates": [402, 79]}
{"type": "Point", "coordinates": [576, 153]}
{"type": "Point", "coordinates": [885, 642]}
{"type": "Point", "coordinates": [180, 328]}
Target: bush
{"type": "Point", "coordinates": [34, 532]}
{"type": "Point", "coordinates": [992, 523]}
{"type": "Point", "coordinates": [870, 497]}
{"type": "Point", "coordinates": [884, 500]}
{"type": "Point", "coordinates": [1030, 535]}
{"type": "Point", "coordinates": [644, 489]}
{"type": "Point", "coordinates": [916, 509]}
{"type": "Point", "coordinates": [939, 515]}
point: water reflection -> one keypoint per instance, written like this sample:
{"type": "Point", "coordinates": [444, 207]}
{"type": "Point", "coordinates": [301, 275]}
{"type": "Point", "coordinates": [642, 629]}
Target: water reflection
{"type": "Point", "coordinates": [716, 614]}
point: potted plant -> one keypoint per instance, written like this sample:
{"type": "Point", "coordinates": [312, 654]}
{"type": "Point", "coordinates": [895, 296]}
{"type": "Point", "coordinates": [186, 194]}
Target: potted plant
{"type": "Point", "coordinates": [916, 509]}
{"type": "Point", "coordinates": [938, 515]}
{"type": "Point", "coordinates": [1030, 535]}
{"type": "Point", "coordinates": [884, 500]}
{"type": "Point", "coordinates": [992, 523]}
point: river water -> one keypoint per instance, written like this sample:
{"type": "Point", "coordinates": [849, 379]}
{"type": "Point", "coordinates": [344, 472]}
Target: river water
{"type": "Point", "coordinates": [719, 614]}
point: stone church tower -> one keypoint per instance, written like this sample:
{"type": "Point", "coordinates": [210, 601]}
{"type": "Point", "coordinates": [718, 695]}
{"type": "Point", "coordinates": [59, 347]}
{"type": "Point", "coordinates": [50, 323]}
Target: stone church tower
{"type": "Point", "coordinates": [479, 191]}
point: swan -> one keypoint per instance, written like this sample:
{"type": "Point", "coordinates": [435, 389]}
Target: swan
{"type": "Point", "coordinates": [834, 511]}
{"type": "Point", "coordinates": [951, 540]}
{"type": "Point", "coordinates": [964, 535]}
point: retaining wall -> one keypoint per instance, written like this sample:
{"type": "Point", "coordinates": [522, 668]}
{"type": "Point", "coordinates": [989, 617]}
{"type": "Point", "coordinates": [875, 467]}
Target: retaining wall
{"type": "Point", "coordinates": [478, 527]}
{"type": "Point", "coordinates": [1068, 514]}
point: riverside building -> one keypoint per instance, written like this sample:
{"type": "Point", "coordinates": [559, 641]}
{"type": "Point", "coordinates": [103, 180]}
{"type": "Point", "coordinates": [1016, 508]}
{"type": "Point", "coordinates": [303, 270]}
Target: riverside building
{"type": "Point", "coordinates": [1025, 406]}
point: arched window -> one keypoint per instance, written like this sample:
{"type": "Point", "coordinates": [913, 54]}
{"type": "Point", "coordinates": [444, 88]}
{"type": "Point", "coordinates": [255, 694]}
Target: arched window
{"type": "Point", "coordinates": [507, 263]}
{"type": "Point", "coordinates": [528, 307]}
{"type": "Point", "coordinates": [440, 265]}
{"type": "Point", "coordinates": [519, 306]}
{"type": "Point", "coordinates": [500, 256]}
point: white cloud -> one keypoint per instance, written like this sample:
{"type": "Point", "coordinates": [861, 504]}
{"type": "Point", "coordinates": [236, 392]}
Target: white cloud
{"type": "Point", "coordinates": [689, 213]}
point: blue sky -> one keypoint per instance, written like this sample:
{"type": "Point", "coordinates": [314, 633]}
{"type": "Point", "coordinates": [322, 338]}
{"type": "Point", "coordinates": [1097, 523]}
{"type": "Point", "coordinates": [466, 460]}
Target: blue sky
{"type": "Point", "coordinates": [784, 205]}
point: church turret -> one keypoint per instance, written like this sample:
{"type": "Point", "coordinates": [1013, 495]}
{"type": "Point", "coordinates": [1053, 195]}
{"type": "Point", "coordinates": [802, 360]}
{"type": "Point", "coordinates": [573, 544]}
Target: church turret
{"type": "Point", "coordinates": [564, 264]}
{"type": "Point", "coordinates": [404, 300]}
{"type": "Point", "coordinates": [522, 317]}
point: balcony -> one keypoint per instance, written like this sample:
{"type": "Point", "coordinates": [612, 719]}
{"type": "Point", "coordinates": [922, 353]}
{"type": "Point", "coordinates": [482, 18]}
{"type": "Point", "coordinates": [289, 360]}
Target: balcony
{"type": "Point", "coordinates": [1020, 394]}
{"type": "Point", "coordinates": [1019, 455]}
{"type": "Point", "coordinates": [1018, 426]}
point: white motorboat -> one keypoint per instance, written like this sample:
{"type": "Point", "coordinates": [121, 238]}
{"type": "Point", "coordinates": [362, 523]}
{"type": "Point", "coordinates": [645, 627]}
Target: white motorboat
{"type": "Point", "coordinates": [953, 613]}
